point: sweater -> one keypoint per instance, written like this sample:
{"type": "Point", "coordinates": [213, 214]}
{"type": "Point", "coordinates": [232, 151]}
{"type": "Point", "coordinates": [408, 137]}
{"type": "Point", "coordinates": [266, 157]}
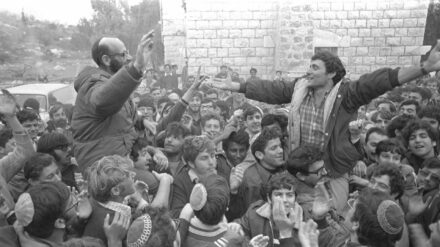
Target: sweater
{"type": "Point", "coordinates": [201, 235]}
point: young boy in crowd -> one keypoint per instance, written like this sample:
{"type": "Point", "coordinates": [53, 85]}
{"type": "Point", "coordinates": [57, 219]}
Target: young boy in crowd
{"type": "Point", "coordinates": [421, 140]}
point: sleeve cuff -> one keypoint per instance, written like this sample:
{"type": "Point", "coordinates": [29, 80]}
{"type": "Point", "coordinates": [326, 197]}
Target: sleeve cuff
{"type": "Point", "coordinates": [322, 223]}
{"type": "Point", "coordinates": [133, 71]}
{"type": "Point", "coordinates": [242, 87]}
{"type": "Point", "coordinates": [394, 79]}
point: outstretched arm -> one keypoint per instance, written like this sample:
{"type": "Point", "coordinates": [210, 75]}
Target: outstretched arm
{"type": "Point", "coordinates": [272, 92]}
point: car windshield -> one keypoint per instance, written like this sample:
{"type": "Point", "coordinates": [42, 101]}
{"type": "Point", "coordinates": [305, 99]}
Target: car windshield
{"type": "Point", "coordinates": [21, 98]}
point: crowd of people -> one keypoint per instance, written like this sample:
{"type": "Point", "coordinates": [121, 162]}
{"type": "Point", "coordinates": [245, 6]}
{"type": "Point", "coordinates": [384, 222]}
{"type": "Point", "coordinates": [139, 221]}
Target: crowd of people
{"type": "Point", "coordinates": [150, 158]}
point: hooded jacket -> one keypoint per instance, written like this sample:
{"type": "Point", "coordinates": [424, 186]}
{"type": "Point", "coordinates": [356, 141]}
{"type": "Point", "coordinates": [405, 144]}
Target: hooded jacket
{"type": "Point", "coordinates": [104, 115]}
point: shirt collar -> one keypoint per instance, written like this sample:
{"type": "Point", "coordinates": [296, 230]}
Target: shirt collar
{"type": "Point", "coordinates": [193, 176]}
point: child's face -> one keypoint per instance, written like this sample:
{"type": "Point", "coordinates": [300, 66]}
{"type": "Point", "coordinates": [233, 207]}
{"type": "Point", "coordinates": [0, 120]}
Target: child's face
{"type": "Point", "coordinates": [143, 159]}
{"type": "Point", "coordinates": [388, 158]}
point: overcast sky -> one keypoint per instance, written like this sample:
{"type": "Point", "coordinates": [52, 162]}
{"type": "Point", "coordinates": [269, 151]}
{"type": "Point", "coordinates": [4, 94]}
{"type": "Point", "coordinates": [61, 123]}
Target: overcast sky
{"type": "Point", "coordinates": [61, 11]}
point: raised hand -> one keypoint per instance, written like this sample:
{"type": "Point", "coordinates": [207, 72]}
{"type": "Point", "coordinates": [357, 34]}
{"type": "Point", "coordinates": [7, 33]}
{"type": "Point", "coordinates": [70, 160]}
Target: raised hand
{"type": "Point", "coordinates": [235, 179]}
{"type": "Point", "coordinates": [225, 84]}
{"type": "Point", "coordinates": [284, 221]}
{"type": "Point", "coordinates": [84, 209]}
{"type": "Point", "coordinates": [308, 234]}
{"type": "Point", "coordinates": [416, 206]}
{"type": "Point", "coordinates": [235, 227]}
{"type": "Point", "coordinates": [433, 61]}
{"type": "Point", "coordinates": [161, 160]}
{"type": "Point", "coordinates": [8, 106]}
{"type": "Point", "coordinates": [322, 203]}
{"type": "Point", "coordinates": [144, 52]}
{"type": "Point", "coordinates": [259, 241]}
{"type": "Point", "coordinates": [117, 230]}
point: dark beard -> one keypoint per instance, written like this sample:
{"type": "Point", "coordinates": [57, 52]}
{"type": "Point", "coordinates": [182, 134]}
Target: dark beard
{"type": "Point", "coordinates": [115, 65]}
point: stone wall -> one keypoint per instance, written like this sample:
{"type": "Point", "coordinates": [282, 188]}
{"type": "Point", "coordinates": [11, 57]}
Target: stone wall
{"type": "Point", "coordinates": [275, 35]}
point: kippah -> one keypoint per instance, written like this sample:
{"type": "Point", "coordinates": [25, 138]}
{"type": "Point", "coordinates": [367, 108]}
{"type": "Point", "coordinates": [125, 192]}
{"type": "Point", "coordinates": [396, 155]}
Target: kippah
{"type": "Point", "coordinates": [198, 197]}
{"type": "Point", "coordinates": [390, 217]}
{"type": "Point", "coordinates": [24, 209]}
{"type": "Point", "coordinates": [139, 232]}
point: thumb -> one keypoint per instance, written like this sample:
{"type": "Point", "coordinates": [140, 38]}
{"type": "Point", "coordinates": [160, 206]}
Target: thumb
{"type": "Point", "coordinates": [106, 221]}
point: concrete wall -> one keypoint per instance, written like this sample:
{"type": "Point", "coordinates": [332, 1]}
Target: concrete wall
{"type": "Point", "coordinates": [275, 35]}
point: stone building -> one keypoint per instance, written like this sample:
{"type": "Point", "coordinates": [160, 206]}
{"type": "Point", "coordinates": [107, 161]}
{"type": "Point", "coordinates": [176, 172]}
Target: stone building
{"type": "Point", "coordinates": [272, 35]}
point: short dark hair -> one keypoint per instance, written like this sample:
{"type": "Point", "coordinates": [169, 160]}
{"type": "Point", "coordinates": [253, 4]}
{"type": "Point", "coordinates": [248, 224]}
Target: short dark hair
{"type": "Point", "coordinates": [5, 136]}
{"type": "Point", "coordinates": [138, 145]}
{"type": "Point", "coordinates": [251, 110]}
{"type": "Point", "coordinates": [386, 101]}
{"type": "Point", "coordinates": [415, 125]}
{"type": "Point", "coordinates": [424, 92]}
{"type": "Point", "coordinates": [212, 91]}
{"type": "Point", "coordinates": [206, 101]}
{"type": "Point", "coordinates": [177, 129]}
{"type": "Point", "coordinates": [253, 69]}
{"type": "Point", "coordinates": [396, 178]}
{"type": "Point", "coordinates": [301, 158]}
{"type": "Point", "coordinates": [98, 50]}
{"type": "Point", "coordinates": [269, 119]}
{"type": "Point", "coordinates": [262, 140]}
{"type": "Point", "coordinates": [382, 114]}
{"type": "Point", "coordinates": [398, 123]}
{"type": "Point", "coordinates": [210, 115]}
{"type": "Point", "coordinates": [277, 182]}
{"type": "Point", "coordinates": [217, 200]}
{"type": "Point", "coordinates": [240, 137]}
{"type": "Point", "coordinates": [390, 145]}
{"type": "Point", "coordinates": [56, 107]}
{"type": "Point", "coordinates": [430, 111]}
{"type": "Point", "coordinates": [49, 200]}
{"type": "Point", "coordinates": [163, 232]}
{"type": "Point", "coordinates": [194, 145]}
{"type": "Point", "coordinates": [51, 141]}
{"type": "Point", "coordinates": [35, 164]}
{"type": "Point", "coordinates": [332, 64]}
{"type": "Point", "coordinates": [370, 231]}
{"type": "Point", "coordinates": [32, 104]}
{"type": "Point", "coordinates": [167, 65]}
{"type": "Point", "coordinates": [147, 102]}
{"type": "Point", "coordinates": [410, 102]}
{"type": "Point", "coordinates": [162, 100]}
{"type": "Point", "coordinates": [372, 130]}
{"type": "Point", "coordinates": [27, 115]}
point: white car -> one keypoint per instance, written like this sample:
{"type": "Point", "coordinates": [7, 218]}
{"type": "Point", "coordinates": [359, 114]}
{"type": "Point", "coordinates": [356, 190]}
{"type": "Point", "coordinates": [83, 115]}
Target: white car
{"type": "Point", "coordinates": [46, 94]}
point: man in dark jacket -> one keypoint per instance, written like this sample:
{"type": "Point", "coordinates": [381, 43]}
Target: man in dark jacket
{"type": "Point", "coordinates": [103, 117]}
{"type": "Point", "coordinates": [323, 104]}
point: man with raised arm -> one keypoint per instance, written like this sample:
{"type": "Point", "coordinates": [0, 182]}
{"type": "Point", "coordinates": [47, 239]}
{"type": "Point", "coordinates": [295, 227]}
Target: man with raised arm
{"type": "Point", "coordinates": [323, 104]}
{"type": "Point", "coordinates": [103, 117]}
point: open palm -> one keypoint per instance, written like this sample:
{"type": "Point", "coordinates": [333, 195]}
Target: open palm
{"type": "Point", "coordinates": [8, 106]}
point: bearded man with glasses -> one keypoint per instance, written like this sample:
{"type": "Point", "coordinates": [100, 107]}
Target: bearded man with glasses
{"type": "Point", "coordinates": [104, 115]}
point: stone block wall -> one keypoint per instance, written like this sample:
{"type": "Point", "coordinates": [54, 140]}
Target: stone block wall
{"type": "Point", "coordinates": [373, 34]}
{"type": "Point", "coordinates": [272, 35]}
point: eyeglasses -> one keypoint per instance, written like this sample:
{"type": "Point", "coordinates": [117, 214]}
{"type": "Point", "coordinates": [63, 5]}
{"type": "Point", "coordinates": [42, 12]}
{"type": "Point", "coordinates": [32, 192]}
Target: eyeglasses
{"type": "Point", "coordinates": [63, 148]}
{"type": "Point", "coordinates": [122, 54]}
{"type": "Point", "coordinates": [35, 125]}
{"type": "Point", "coordinates": [351, 203]}
{"type": "Point", "coordinates": [319, 171]}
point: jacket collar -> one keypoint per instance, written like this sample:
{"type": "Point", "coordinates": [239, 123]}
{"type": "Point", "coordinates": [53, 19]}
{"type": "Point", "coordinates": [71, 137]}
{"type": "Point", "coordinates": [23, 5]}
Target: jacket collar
{"type": "Point", "coordinates": [265, 211]}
